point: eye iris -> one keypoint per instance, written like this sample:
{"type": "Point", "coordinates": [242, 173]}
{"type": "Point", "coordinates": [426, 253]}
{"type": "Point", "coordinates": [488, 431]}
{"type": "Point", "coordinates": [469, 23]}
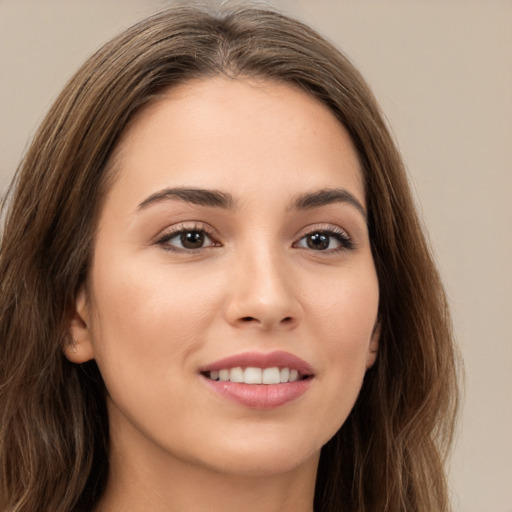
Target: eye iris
{"type": "Point", "coordinates": [192, 239]}
{"type": "Point", "coordinates": [318, 241]}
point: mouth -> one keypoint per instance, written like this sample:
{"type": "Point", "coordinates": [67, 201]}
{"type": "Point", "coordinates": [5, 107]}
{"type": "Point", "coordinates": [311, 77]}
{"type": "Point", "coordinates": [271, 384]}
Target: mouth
{"type": "Point", "coordinates": [255, 375]}
{"type": "Point", "coordinates": [259, 380]}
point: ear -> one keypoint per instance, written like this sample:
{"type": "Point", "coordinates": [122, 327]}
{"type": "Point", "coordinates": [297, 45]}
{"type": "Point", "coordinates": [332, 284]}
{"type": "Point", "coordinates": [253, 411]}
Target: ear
{"type": "Point", "coordinates": [80, 347]}
{"type": "Point", "coordinates": [373, 347]}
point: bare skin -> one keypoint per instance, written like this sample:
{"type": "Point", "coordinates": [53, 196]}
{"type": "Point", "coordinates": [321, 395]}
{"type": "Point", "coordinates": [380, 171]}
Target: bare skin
{"type": "Point", "coordinates": [273, 258]}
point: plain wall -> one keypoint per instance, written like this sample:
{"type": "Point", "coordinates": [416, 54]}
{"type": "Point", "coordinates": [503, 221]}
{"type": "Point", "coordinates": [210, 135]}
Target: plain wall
{"type": "Point", "coordinates": [442, 71]}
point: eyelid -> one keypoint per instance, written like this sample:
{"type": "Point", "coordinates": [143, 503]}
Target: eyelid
{"type": "Point", "coordinates": [175, 230]}
{"type": "Point", "coordinates": [319, 226]}
{"type": "Point", "coordinates": [345, 240]}
{"type": "Point", "coordinates": [343, 236]}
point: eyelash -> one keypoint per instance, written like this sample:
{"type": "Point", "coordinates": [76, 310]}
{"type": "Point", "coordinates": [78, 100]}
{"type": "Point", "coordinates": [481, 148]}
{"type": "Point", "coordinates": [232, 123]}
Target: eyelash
{"type": "Point", "coordinates": [340, 236]}
{"type": "Point", "coordinates": [344, 240]}
{"type": "Point", "coordinates": [182, 230]}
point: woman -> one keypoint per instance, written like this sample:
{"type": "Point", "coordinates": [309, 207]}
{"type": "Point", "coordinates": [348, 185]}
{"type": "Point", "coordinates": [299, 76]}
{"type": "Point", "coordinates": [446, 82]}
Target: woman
{"type": "Point", "coordinates": [216, 293]}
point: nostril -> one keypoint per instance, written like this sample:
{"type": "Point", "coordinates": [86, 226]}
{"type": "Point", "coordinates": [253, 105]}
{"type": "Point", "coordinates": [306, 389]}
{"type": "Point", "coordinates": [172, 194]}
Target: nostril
{"type": "Point", "coordinates": [287, 321]}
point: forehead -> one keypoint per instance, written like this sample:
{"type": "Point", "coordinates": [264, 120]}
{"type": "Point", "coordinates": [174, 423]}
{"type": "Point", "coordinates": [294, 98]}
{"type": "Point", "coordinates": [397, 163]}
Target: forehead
{"type": "Point", "coordinates": [238, 133]}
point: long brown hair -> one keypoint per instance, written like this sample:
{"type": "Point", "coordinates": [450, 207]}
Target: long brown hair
{"type": "Point", "coordinates": [389, 454]}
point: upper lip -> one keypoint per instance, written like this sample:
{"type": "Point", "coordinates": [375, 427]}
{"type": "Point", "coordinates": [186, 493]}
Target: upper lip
{"type": "Point", "coordinates": [278, 358]}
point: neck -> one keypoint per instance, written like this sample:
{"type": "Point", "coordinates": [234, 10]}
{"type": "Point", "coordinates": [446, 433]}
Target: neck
{"type": "Point", "coordinates": [143, 477]}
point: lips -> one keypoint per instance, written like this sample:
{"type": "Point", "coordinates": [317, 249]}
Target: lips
{"type": "Point", "coordinates": [259, 380]}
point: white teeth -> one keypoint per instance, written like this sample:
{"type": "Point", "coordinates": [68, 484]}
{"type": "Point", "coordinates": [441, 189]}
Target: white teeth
{"type": "Point", "coordinates": [270, 376]}
{"type": "Point", "coordinates": [252, 375]}
{"type": "Point", "coordinates": [236, 375]}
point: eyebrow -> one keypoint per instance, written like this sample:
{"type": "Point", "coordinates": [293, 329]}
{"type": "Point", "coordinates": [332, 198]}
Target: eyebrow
{"type": "Point", "coordinates": [224, 200]}
{"type": "Point", "coordinates": [326, 197]}
{"type": "Point", "coordinates": [199, 196]}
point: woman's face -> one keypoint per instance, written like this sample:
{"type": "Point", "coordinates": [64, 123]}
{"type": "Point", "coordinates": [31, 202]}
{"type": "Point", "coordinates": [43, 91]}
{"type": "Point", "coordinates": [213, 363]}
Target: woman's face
{"type": "Point", "coordinates": [232, 246]}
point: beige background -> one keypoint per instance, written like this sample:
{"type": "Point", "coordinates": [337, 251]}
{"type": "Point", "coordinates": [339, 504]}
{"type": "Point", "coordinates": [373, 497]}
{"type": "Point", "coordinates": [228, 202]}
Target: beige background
{"type": "Point", "coordinates": [443, 72]}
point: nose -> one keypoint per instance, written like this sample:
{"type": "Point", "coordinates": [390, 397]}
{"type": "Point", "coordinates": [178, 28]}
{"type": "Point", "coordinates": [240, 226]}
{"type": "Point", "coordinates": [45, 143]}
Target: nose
{"type": "Point", "coordinates": [263, 294]}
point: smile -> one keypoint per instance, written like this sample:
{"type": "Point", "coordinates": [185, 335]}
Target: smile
{"type": "Point", "coordinates": [259, 380]}
{"type": "Point", "coordinates": [253, 375]}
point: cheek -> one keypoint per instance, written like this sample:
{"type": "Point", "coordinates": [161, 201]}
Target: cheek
{"type": "Point", "coordinates": [146, 315]}
{"type": "Point", "coordinates": [149, 320]}
{"type": "Point", "coordinates": [344, 315]}
{"type": "Point", "coordinates": [345, 308]}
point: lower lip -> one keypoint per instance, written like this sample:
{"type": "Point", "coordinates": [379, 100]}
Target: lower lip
{"type": "Point", "coordinates": [260, 396]}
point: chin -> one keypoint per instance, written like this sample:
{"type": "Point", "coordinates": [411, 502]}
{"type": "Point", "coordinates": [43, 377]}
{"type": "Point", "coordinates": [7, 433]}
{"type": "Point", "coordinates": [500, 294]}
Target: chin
{"type": "Point", "coordinates": [262, 457]}
{"type": "Point", "coordinates": [265, 465]}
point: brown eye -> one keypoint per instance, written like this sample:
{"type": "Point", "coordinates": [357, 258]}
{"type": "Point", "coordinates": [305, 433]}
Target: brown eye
{"type": "Point", "coordinates": [328, 241]}
{"type": "Point", "coordinates": [192, 239]}
{"type": "Point", "coordinates": [318, 241]}
{"type": "Point", "coordinates": [186, 240]}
